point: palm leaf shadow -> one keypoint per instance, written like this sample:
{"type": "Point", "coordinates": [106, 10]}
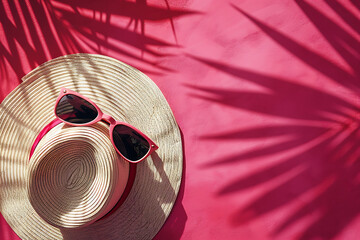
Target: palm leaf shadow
{"type": "Point", "coordinates": [356, 4]}
{"type": "Point", "coordinates": [40, 31]}
{"type": "Point", "coordinates": [348, 17]}
{"type": "Point", "coordinates": [341, 40]}
{"type": "Point", "coordinates": [309, 57]}
{"type": "Point", "coordinates": [322, 141]}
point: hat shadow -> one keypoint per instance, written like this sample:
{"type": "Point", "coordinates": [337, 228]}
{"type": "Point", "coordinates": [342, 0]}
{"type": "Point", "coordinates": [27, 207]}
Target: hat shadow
{"type": "Point", "coordinates": [175, 223]}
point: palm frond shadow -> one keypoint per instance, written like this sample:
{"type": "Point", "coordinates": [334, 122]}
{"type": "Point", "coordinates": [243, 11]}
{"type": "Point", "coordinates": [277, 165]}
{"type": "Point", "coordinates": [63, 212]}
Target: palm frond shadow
{"type": "Point", "coordinates": [320, 169]}
{"type": "Point", "coordinates": [356, 4]}
{"type": "Point", "coordinates": [340, 39]}
{"type": "Point", "coordinates": [42, 30]}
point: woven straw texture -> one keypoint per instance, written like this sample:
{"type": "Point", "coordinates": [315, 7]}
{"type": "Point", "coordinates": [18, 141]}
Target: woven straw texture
{"type": "Point", "coordinates": [75, 175]}
{"type": "Point", "coordinates": [120, 91]}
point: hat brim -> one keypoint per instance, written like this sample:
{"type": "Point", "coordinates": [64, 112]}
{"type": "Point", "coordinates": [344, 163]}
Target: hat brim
{"type": "Point", "coordinates": [119, 90]}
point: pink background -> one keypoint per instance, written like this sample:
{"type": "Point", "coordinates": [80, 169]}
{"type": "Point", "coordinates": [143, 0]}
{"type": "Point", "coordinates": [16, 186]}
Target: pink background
{"type": "Point", "coordinates": [266, 94]}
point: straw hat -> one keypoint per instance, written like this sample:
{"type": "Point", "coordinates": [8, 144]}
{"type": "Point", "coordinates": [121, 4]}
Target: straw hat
{"type": "Point", "coordinates": [74, 185]}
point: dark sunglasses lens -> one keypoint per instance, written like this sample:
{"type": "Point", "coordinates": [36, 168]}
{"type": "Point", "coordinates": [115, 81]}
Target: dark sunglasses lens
{"type": "Point", "coordinates": [74, 109]}
{"type": "Point", "coordinates": [130, 143]}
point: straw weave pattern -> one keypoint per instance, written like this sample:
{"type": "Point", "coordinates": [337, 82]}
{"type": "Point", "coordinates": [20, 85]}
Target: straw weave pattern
{"type": "Point", "coordinates": [120, 91]}
{"type": "Point", "coordinates": [75, 175]}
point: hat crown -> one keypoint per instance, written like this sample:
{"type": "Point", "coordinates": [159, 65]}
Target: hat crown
{"type": "Point", "coordinates": [75, 176]}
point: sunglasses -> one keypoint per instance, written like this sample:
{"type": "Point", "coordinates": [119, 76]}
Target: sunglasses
{"type": "Point", "coordinates": [77, 110]}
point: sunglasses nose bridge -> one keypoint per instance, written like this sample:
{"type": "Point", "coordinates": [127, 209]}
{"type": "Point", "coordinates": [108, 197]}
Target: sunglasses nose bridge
{"type": "Point", "coordinates": [109, 119]}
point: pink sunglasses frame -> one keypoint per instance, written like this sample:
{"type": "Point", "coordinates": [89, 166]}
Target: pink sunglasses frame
{"type": "Point", "coordinates": [109, 119]}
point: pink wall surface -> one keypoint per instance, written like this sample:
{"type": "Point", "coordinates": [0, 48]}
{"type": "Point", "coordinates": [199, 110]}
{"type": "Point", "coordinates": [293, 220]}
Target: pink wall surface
{"type": "Point", "coordinates": [266, 94]}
